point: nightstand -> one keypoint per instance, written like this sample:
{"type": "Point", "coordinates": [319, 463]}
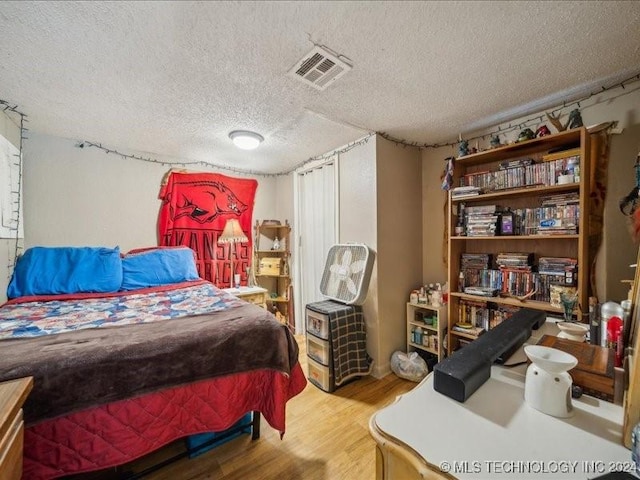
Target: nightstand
{"type": "Point", "coordinates": [255, 295]}
{"type": "Point", "coordinates": [12, 396]}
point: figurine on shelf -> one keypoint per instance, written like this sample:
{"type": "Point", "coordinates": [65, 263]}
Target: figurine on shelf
{"type": "Point", "coordinates": [276, 244]}
{"type": "Point", "coordinates": [447, 175]}
{"type": "Point", "coordinates": [574, 121]}
{"type": "Point", "coordinates": [542, 131]}
{"type": "Point", "coordinates": [495, 141]}
{"type": "Point", "coordinates": [463, 147]}
{"type": "Point", "coordinates": [526, 134]}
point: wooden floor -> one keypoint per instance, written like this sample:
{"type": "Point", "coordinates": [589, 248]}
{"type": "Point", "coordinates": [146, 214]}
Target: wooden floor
{"type": "Point", "coordinates": [327, 437]}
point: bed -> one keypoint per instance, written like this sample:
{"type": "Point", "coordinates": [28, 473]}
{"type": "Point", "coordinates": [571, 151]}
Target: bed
{"type": "Point", "coordinates": [118, 374]}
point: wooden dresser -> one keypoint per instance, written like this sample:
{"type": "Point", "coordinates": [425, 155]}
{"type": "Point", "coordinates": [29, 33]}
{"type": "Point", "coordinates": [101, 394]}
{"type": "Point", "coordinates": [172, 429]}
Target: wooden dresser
{"type": "Point", "coordinates": [12, 396]}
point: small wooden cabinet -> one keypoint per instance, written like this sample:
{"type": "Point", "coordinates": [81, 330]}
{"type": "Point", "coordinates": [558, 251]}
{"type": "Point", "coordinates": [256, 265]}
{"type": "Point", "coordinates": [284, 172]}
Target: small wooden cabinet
{"type": "Point", "coordinates": [431, 322]}
{"type": "Point", "coordinates": [255, 295]}
{"type": "Point", "coordinates": [12, 396]}
{"type": "Point", "coordinates": [272, 256]}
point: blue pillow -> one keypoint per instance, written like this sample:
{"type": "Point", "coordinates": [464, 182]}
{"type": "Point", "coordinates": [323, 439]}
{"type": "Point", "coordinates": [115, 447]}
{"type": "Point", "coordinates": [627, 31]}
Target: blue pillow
{"type": "Point", "coordinates": [60, 270]}
{"type": "Point", "coordinates": [152, 268]}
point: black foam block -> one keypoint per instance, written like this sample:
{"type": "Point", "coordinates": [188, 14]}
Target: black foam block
{"type": "Point", "coordinates": [459, 375]}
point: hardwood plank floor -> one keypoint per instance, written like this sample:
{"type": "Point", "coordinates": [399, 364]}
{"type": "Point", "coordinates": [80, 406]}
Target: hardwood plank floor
{"type": "Point", "coordinates": [327, 438]}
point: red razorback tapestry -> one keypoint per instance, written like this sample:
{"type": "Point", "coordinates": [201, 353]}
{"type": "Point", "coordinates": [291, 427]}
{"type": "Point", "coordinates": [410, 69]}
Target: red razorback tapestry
{"type": "Point", "coordinates": [195, 208]}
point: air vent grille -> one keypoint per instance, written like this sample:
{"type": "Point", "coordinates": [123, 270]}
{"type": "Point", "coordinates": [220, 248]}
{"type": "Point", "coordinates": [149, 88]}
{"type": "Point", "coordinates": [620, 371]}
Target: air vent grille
{"type": "Point", "coordinates": [319, 68]}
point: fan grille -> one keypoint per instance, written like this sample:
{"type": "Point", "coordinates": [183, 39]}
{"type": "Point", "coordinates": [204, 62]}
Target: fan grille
{"type": "Point", "coordinates": [347, 273]}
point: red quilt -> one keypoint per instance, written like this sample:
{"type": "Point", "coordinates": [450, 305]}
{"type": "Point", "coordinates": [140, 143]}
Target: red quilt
{"type": "Point", "coordinates": [119, 432]}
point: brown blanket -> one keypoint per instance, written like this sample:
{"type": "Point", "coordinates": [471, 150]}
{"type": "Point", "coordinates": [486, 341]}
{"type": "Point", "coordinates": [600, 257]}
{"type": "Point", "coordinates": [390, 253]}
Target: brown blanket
{"type": "Point", "coordinates": [84, 368]}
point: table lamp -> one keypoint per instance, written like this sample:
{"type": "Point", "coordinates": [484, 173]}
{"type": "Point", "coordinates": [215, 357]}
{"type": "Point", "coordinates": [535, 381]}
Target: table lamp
{"type": "Point", "coordinates": [232, 234]}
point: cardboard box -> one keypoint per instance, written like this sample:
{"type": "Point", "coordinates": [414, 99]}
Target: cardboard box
{"type": "Point", "coordinates": [270, 265]}
{"type": "Point", "coordinates": [594, 372]}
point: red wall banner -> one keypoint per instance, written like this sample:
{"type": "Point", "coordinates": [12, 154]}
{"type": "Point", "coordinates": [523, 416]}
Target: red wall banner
{"type": "Point", "coordinates": [194, 210]}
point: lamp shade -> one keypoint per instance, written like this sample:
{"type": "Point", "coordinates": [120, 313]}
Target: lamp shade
{"type": "Point", "coordinates": [232, 232]}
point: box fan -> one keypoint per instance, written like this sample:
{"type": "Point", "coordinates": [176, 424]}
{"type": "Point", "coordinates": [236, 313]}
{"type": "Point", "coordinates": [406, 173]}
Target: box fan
{"type": "Point", "coordinates": [347, 273]}
{"type": "Point", "coordinates": [335, 327]}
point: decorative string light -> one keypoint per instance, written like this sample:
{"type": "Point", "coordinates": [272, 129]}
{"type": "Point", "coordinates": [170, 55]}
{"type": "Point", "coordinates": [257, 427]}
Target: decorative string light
{"type": "Point", "coordinates": [530, 121]}
{"type": "Point", "coordinates": [202, 163]}
{"type": "Point", "coordinates": [15, 228]}
{"type": "Point", "coordinates": [189, 163]}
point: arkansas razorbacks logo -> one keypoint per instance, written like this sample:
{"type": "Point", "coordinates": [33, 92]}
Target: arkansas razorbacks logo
{"type": "Point", "coordinates": [205, 201]}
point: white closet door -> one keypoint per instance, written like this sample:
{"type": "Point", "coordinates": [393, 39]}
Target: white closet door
{"type": "Point", "coordinates": [317, 220]}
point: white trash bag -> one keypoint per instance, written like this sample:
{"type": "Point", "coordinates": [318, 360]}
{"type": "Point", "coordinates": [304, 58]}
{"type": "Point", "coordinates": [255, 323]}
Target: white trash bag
{"type": "Point", "coordinates": [409, 366]}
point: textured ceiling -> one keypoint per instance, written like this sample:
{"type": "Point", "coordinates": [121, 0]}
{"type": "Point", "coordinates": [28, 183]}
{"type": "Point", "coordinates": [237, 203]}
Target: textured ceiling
{"type": "Point", "coordinates": [174, 78]}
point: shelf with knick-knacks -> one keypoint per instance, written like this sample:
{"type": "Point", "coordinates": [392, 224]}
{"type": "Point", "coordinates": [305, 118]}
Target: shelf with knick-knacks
{"type": "Point", "coordinates": [426, 325]}
{"type": "Point", "coordinates": [272, 258]}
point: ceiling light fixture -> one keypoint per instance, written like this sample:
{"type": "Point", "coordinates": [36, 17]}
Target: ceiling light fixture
{"type": "Point", "coordinates": [245, 139]}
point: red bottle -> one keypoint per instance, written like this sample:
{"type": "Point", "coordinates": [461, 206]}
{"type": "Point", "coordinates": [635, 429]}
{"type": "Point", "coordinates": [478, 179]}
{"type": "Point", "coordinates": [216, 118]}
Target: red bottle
{"type": "Point", "coordinates": [614, 338]}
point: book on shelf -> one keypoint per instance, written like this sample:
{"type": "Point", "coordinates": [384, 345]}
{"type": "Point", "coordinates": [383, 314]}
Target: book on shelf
{"type": "Point", "coordinates": [557, 215]}
{"type": "Point", "coordinates": [521, 173]}
{"type": "Point", "coordinates": [481, 291]}
{"type": "Point", "coordinates": [482, 314]}
{"type": "Point", "coordinates": [482, 209]}
{"type": "Point", "coordinates": [514, 259]}
{"type": "Point", "coordinates": [523, 162]}
{"type": "Point", "coordinates": [481, 224]}
{"type": "Point", "coordinates": [516, 275]}
{"type": "Point", "coordinates": [468, 191]}
{"type": "Point", "coordinates": [468, 329]}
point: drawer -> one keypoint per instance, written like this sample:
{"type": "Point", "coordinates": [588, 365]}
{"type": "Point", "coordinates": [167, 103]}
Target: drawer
{"type": "Point", "coordinates": [320, 375]}
{"type": "Point", "coordinates": [11, 450]}
{"type": "Point", "coordinates": [317, 324]}
{"type": "Point", "coordinates": [255, 298]}
{"type": "Point", "coordinates": [318, 350]}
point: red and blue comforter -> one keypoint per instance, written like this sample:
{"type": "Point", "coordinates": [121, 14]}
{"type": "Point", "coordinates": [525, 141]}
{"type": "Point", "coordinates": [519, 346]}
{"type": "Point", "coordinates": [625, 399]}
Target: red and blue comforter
{"type": "Point", "coordinates": [107, 369]}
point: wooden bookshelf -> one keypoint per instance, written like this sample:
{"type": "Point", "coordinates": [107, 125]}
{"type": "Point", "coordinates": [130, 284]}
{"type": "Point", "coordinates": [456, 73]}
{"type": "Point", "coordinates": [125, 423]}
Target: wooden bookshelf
{"type": "Point", "coordinates": [541, 245]}
{"type": "Point", "coordinates": [276, 275]}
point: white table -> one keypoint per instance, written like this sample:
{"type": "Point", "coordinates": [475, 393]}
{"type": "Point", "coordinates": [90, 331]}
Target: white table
{"type": "Point", "coordinates": [495, 434]}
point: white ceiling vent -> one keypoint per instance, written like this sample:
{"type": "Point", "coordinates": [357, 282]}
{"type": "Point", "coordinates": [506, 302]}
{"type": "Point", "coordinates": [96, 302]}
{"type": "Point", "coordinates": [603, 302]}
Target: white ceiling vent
{"type": "Point", "coordinates": [319, 68]}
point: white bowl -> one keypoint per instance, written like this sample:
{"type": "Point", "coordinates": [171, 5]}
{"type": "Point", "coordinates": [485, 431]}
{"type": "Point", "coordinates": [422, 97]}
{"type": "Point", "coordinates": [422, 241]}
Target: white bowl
{"type": "Point", "coordinates": [550, 359]}
{"type": "Point", "coordinates": [573, 331]}
{"type": "Point", "coordinates": [573, 328]}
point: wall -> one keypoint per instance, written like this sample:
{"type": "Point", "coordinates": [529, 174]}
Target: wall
{"type": "Point", "coordinates": [434, 267]}
{"type": "Point", "coordinates": [284, 210]}
{"type": "Point", "coordinates": [11, 131]}
{"type": "Point", "coordinates": [75, 196]}
{"type": "Point", "coordinates": [617, 251]}
{"type": "Point", "coordinates": [380, 206]}
{"type": "Point", "coordinates": [358, 223]}
{"type": "Point", "coordinates": [399, 233]}
{"type": "Point", "coordinates": [83, 196]}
